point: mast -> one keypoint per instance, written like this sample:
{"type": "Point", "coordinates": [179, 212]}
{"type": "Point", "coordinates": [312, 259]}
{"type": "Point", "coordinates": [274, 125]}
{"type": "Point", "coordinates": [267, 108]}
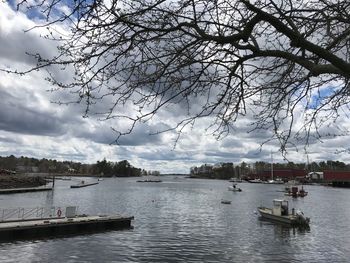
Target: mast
{"type": "Point", "coordinates": [271, 166]}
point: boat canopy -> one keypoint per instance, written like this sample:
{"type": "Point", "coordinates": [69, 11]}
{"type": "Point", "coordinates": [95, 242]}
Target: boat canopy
{"type": "Point", "coordinates": [280, 203]}
{"type": "Point", "coordinates": [280, 207]}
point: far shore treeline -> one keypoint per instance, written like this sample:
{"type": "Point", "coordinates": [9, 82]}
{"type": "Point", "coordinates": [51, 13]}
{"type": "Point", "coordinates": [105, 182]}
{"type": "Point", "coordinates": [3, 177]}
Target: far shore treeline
{"type": "Point", "coordinates": [101, 168]}
{"type": "Point", "coordinates": [22, 165]}
{"type": "Point", "coordinates": [229, 170]}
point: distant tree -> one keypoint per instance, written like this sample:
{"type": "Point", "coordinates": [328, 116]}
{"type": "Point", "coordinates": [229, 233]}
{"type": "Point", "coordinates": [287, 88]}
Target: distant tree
{"type": "Point", "coordinates": [224, 171]}
{"type": "Point", "coordinates": [10, 163]}
{"type": "Point", "coordinates": [44, 165]}
{"type": "Point", "coordinates": [104, 167]}
{"type": "Point", "coordinates": [314, 167]}
{"type": "Point", "coordinates": [291, 165]}
{"type": "Point", "coordinates": [244, 168]}
{"type": "Point", "coordinates": [267, 59]}
{"type": "Point", "coordinates": [261, 167]}
{"type": "Point", "coordinates": [122, 168]}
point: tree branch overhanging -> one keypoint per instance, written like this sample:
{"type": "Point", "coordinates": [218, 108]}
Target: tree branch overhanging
{"type": "Point", "coordinates": [238, 57]}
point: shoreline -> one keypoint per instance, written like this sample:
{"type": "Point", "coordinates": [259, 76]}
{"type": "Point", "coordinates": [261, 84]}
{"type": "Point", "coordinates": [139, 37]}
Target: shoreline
{"type": "Point", "coordinates": [20, 181]}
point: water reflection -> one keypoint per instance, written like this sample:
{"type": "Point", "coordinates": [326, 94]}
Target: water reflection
{"type": "Point", "coordinates": [49, 199]}
{"type": "Point", "coordinates": [283, 230]}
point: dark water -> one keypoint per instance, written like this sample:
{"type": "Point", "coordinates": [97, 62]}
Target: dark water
{"type": "Point", "coordinates": [183, 220]}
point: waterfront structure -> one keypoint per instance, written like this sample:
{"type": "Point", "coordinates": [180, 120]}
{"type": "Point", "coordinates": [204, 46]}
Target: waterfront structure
{"type": "Point", "coordinates": [337, 178]}
{"type": "Point", "coordinates": [27, 223]}
{"type": "Point", "coordinates": [315, 176]}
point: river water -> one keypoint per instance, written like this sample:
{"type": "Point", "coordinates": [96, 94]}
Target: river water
{"type": "Point", "coordinates": [183, 220]}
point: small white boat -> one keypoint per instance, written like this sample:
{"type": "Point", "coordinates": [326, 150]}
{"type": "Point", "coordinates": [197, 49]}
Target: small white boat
{"type": "Point", "coordinates": [234, 188]}
{"type": "Point", "coordinates": [274, 181]}
{"type": "Point", "coordinates": [256, 181]}
{"type": "Point", "coordinates": [280, 213]}
{"type": "Point", "coordinates": [277, 181]}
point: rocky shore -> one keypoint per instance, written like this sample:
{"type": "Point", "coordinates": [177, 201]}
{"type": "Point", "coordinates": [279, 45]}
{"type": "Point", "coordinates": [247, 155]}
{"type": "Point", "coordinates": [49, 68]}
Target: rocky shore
{"type": "Point", "coordinates": [20, 181]}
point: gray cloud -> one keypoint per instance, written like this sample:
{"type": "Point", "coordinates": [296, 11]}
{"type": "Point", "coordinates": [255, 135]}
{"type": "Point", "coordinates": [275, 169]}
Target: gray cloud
{"type": "Point", "coordinates": [16, 116]}
{"type": "Point", "coordinates": [7, 140]}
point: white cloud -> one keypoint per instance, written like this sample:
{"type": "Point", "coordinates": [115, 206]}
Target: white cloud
{"type": "Point", "coordinates": [32, 126]}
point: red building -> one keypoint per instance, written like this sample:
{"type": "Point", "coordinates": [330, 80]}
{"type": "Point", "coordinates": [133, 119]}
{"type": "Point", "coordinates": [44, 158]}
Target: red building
{"type": "Point", "coordinates": [285, 175]}
{"type": "Point", "coordinates": [336, 176]}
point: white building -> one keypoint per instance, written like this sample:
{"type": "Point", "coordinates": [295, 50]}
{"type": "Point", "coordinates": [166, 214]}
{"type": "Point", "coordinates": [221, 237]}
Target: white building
{"type": "Point", "coordinates": [315, 175]}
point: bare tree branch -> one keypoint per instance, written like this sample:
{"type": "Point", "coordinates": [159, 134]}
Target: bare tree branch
{"type": "Point", "coordinates": [262, 58]}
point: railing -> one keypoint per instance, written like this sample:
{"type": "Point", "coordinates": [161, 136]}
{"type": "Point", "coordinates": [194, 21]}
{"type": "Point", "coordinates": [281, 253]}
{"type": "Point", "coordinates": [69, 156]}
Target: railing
{"type": "Point", "coordinates": [14, 214]}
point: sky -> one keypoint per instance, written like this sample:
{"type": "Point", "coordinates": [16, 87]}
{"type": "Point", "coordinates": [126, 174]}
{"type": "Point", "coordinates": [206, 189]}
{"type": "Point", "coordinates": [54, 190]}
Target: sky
{"type": "Point", "coordinates": [32, 125]}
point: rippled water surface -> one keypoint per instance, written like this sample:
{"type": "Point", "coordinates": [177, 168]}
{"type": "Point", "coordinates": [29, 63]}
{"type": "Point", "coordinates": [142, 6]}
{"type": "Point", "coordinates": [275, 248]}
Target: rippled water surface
{"type": "Point", "coordinates": [183, 220]}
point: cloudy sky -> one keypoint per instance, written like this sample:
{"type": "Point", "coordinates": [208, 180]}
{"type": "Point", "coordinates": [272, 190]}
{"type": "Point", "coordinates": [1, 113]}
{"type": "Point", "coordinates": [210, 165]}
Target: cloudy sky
{"type": "Point", "coordinates": [31, 125]}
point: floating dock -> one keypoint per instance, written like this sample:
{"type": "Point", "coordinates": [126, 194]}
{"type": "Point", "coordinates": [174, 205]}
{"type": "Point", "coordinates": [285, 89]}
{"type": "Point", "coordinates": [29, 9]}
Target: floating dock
{"type": "Point", "coordinates": [82, 185]}
{"type": "Point", "coordinates": [24, 190]}
{"type": "Point", "coordinates": [61, 226]}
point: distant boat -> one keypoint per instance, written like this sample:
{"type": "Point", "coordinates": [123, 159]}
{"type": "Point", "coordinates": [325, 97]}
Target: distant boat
{"type": "Point", "coordinates": [272, 181]}
{"type": "Point", "coordinates": [255, 181]}
{"type": "Point", "coordinates": [234, 188]}
{"type": "Point", "coordinates": [227, 202]}
{"type": "Point", "coordinates": [149, 181]}
{"type": "Point", "coordinates": [290, 184]}
{"type": "Point", "coordinates": [277, 181]}
{"type": "Point", "coordinates": [82, 184]}
{"type": "Point", "coordinates": [302, 192]}
{"type": "Point", "coordinates": [295, 192]}
{"type": "Point", "coordinates": [280, 213]}
{"type": "Point", "coordinates": [292, 191]}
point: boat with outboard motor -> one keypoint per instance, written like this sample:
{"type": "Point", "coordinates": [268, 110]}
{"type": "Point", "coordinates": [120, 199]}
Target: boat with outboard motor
{"type": "Point", "coordinates": [280, 213]}
{"type": "Point", "coordinates": [234, 188]}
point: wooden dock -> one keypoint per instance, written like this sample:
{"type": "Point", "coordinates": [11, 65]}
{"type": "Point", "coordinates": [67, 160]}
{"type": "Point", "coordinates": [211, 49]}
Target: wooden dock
{"type": "Point", "coordinates": [24, 190]}
{"type": "Point", "coordinates": [52, 227]}
{"type": "Point", "coordinates": [82, 185]}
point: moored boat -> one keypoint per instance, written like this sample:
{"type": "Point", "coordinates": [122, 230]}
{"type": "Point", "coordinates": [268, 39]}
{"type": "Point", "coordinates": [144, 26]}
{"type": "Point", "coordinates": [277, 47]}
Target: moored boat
{"type": "Point", "coordinates": [256, 181]}
{"type": "Point", "coordinates": [295, 192]}
{"type": "Point", "coordinates": [302, 192]}
{"type": "Point", "coordinates": [277, 181]}
{"type": "Point", "coordinates": [234, 188]}
{"type": "Point", "coordinates": [280, 213]}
